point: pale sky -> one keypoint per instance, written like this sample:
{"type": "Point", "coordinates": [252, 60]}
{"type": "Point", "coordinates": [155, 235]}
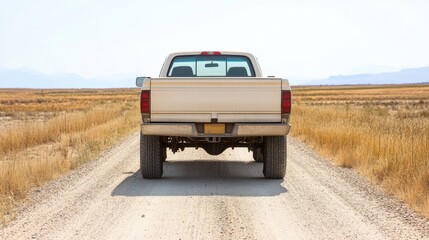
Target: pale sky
{"type": "Point", "coordinates": [303, 39]}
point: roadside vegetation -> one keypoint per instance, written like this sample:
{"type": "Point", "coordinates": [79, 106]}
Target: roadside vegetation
{"type": "Point", "coordinates": [381, 131]}
{"type": "Point", "coordinates": [45, 133]}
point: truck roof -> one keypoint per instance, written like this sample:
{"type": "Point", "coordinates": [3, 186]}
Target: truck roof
{"type": "Point", "coordinates": [221, 52]}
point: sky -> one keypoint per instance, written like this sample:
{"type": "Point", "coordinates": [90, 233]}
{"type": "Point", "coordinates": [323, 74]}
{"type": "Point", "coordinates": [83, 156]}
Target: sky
{"type": "Point", "coordinates": [295, 39]}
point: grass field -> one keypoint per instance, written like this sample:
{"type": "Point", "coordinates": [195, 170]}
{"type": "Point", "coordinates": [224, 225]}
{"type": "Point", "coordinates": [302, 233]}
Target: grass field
{"type": "Point", "coordinates": [381, 131]}
{"type": "Point", "coordinates": [45, 133]}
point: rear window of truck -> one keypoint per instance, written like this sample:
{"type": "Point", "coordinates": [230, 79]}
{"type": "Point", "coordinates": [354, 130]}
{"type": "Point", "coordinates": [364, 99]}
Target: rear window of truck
{"type": "Point", "coordinates": [211, 66]}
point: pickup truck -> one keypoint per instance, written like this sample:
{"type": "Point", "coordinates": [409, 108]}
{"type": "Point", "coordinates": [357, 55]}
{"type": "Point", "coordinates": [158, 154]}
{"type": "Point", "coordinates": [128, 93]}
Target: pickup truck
{"type": "Point", "coordinates": [214, 100]}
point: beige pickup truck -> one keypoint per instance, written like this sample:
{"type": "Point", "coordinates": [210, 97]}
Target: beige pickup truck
{"type": "Point", "coordinates": [214, 100]}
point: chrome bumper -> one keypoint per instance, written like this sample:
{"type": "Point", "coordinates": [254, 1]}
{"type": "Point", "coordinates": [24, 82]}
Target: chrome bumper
{"type": "Point", "coordinates": [239, 130]}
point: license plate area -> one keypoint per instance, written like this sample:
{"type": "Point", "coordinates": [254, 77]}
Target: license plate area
{"type": "Point", "coordinates": [214, 128]}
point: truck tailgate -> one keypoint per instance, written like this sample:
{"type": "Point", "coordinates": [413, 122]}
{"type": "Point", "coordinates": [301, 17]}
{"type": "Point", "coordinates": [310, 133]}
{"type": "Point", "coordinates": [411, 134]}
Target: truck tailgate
{"type": "Point", "coordinates": [218, 99]}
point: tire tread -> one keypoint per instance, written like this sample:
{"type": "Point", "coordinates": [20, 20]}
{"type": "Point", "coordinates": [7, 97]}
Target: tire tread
{"type": "Point", "coordinates": [151, 162]}
{"type": "Point", "coordinates": [275, 151]}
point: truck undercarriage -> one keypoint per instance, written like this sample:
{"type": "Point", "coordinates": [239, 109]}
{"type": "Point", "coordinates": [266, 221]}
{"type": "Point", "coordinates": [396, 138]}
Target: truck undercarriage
{"type": "Point", "coordinates": [212, 145]}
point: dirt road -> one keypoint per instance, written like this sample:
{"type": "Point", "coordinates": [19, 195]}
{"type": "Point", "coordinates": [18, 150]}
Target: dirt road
{"type": "Point", "coordinates": [206, 197]}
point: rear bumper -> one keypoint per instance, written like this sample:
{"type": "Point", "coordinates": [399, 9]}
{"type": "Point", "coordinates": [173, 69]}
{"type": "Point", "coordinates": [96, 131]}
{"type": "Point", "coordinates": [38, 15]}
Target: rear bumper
{"type": "Point", "coordinates": [239, 130]}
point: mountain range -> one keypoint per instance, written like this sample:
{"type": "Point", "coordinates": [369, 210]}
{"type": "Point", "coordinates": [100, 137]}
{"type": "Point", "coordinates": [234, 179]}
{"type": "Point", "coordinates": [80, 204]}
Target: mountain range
{"type": "Point", "coordinates": [410, 75]}
{"type": "Point", "coordinates": [28, 78]}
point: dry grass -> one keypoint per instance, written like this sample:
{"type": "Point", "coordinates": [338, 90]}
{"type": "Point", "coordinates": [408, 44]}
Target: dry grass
{"type": "Point", "coordinates": [381, 131]}
{"type": "Point", "coordinates": [52, 100]}
{"type": "Point", "coordinates": [40, 140]}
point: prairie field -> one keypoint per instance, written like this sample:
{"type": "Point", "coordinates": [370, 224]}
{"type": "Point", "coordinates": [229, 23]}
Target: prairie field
{"type": "Point", "coordinates": [381, 131]}
{"type": "Point", "coordinates": [45, 133]}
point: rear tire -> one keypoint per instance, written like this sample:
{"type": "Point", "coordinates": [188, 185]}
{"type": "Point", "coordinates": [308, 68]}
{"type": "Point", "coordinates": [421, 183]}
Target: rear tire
{"type": "Point", "coordinates": [275, 151]}
{"type": "Point", "coordinates": [164, 154]}
{"type": "Point", "coordinates": [151, 158]}
{"type": "Point", "coordinates": [257, 155]}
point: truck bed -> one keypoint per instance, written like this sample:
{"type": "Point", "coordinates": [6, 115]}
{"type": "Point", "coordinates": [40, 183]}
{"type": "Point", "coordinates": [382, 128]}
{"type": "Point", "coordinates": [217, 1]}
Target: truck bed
{"type": "Point", "coordinates": [216, 99]}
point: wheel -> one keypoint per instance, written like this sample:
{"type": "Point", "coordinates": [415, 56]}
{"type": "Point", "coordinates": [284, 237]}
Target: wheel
{"type": "Point", "coordinates": [257, 155]}
{"type": "Point", "coordinates": [275, 151]}
{"type": "Point", "coordinates": [151, 158]}
{"type": "Point", "coordinates": [164, 153]}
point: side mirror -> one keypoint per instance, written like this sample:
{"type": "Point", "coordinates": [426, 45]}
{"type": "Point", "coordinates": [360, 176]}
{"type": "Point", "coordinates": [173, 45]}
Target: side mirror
{"type": "Point", "coordinates": [140, 80]}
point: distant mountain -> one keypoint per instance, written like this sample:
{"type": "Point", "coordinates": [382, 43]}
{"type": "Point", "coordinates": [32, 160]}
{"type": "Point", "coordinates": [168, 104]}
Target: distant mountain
{"type": "Point", "coordinates": [411, 75]}
{"type": "Point", "coordinates": [28, 78]}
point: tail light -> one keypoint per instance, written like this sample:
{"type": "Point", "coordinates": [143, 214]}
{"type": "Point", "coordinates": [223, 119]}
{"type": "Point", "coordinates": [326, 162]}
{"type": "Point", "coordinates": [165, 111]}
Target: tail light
{"type": "Point", "coordinates": [145, 101]}
{"type": "Point", "coordinates": [286, 101]}
{"type": "Point", "coordinates": [211, 53]}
